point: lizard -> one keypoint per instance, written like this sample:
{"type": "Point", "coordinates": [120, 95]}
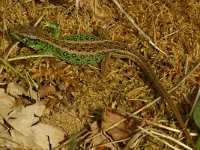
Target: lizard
{"type": "Point", "coordinates": [89, 50]}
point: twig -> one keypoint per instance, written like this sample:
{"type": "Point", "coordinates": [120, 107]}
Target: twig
{"type": "Point", "coordinates": [168, 35]}
{"type": "Point", "coordinates": [172, 139]}
{"type": "Point", "coordinates": [186, 64]}
{"type": "Point", "coordinates": [108, 143]}
{"type": "Point", "coordinates": [168, 128]}
{"type": "Point", "coordinates": [157, 138]}
{"type": "Point", "coordinates": [138, 28]}
{"type": "Point", "coordinates": [28, 57]}
{"type": "Point", "coordinates": [184, 78]}
{"type": "Point", "coordinates": [193, 106]}
{"type": "Point", "coordinates": [146, 106]}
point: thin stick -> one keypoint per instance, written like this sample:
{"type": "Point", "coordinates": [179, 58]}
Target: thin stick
{"type": "Point", "coordinates": [28, 57]}
{"type": "Point", "coordinates": [146, 106]}
{"type": "Point", "coordinates": [157, 138]}
{"type": "Point", "coordinates": [138, 28]}
{"type": "Point", "coordinates": [193, 106]}
{"type": "Point", "coordinates": [172, 139]}
{"type": "Point", "coordinates": [168, 128]}
{"type": "Point", "coordinates": [186, 64]}
{"type": "Point", "coordinates": [184, 78]}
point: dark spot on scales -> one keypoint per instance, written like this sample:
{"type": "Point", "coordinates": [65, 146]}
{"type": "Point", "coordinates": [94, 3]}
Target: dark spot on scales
{"type": "Point", "coordinates": [57, 50]}
{"type": "Point", "coordinates": [73, 47]}
{"type": "Point", "coordinates": [36, 41]}
{"type": "Point", "coordinates": [96, 59]}
{"type": "Point", "coordinates": [79, 49]}
{"type": "Point", "coordinates": [99, 54]}
{"type": "Point", "coordinates": [86, 45]}
{"type": "Point", "coordinates": [67, 59]}
{"type": "Point", "coordinates": [88, 61]}
{"type": "Point", "coordinates": [65, 53]}
{"type": "Point", "coordinates": [73, 55]}
{"type": "Point", "coordinates": [82, 56]}
{"type": "Point", "coordinates": [87, 37]}
{"type": "Point", "coordinates": [82, 47]}
{"type": "Point", "coordinates": [51, 46]}
{"type": "Point", "coordinates": [77, 60]}
{"type": "Point", "coordinates": [91, 56]}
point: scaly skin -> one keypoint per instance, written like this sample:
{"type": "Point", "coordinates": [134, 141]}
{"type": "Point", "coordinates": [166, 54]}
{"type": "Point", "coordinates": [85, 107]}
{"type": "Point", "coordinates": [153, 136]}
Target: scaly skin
{"type": "Point", "coordinates": [69, 52]}
{"type": "Point", "coordinates": [92, 52]}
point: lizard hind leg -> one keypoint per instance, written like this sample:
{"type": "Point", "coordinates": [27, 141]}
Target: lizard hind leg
{"type": "Point", "coordinates": [105, 65]}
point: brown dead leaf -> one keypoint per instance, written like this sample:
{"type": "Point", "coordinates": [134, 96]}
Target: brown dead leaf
{"type": "Point", "coordinates": [27, 128]}
{"type": "Point", "coordinates": [22, 117]}
{"type": "Point", "coordinates": [46, 90]}
{"type": "Point", "coordinates": [120, 131]}
{"type": "Point", "coordinates": [6, 100]}
{"type": "Point", "coordinates": [98, 12]}
{"type": "Point", "coordinates": [97, 139]}
{"type": "Point", "coordinates": [49, 90]}
{"type": "Point", "coordinates": [16, 90]}
{"type": "Point", "coordinates": [20, 141]}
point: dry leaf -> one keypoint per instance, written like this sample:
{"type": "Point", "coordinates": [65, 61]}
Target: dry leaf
{"type": "Point", "coordinates": [6, 99]}
{"type": "Point", "coordinates": [49, 90]}
{"type": "Point", "coordinates": [16, 90]}
{"type": "Point", "coordinates": [26, 129]}
{"type": "Point", "coordinates": [98, 12]}
{"type": "Point", "coordinates": [120, 131]}
{"type": "Point", "coordinates": [20, 141]}
{"type": "Point", "coordinates": [45, 135]}
{"type": "Point", "coordinates": [96, 140]}
{"type": "Point", "coordinates": [46, 90]}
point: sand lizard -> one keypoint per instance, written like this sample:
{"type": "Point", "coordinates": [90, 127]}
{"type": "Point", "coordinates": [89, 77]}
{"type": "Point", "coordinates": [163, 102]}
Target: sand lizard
{"type": "Point", "coordinates": [80, 51]}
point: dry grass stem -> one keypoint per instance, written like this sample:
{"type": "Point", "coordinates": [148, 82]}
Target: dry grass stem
{"type": "Point", "coordinates": [168, 128]}
{"type": "Point", "coordinates": [172, 139]}
{"type": "Point", "coordinates": [146, 106]}
{"type": "Point", "coordinates": [29, 57]}
{"type": "Point", "coordinates": [157, 138]}
{"type": "Point", "coordinates": [193, 106]}
{"type": "Point", "coordinates": [138, 28]}
{"type": "Point", "coordinates": [184, 78]}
